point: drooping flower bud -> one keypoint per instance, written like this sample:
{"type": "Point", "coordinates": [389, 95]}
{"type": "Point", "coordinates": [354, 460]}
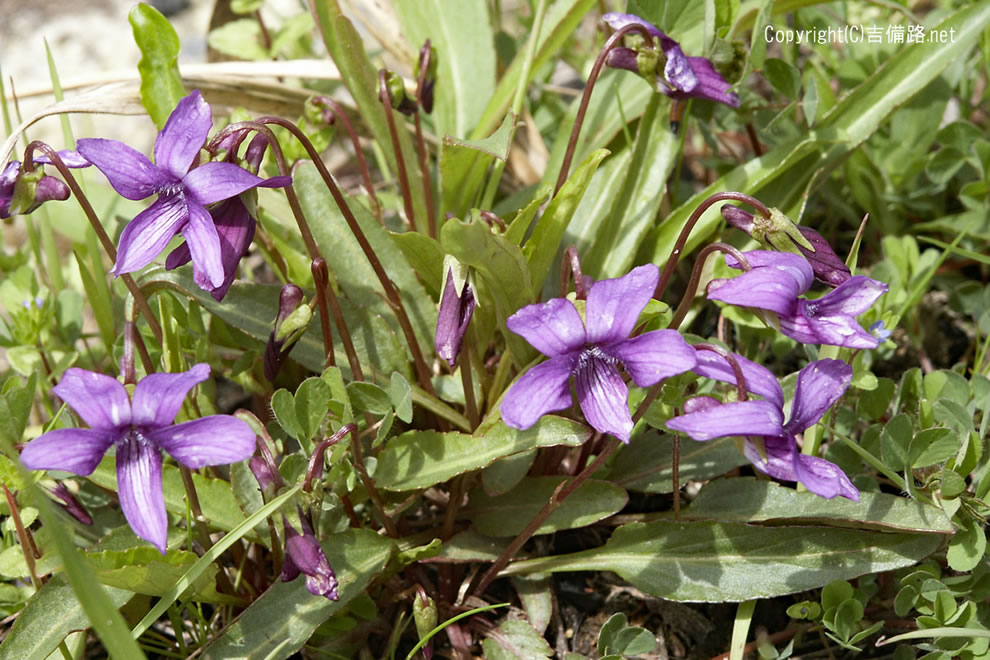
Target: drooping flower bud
{"type": "Point", "coordinates": [397, 96]}
{"type": "Point", "coordinates": [71, 505]}
{"type": "Point", "coordinates": [425, 616]}
{"type": "Point", "coordinates": [291, 322]}
{"type": "Point", "coordinates": [457, 304]}
{"type": "Point", "coordinates": [303, 554]}
{"type": "Point", "coordinates": [778, 232]}
{"type": "Point", "coordinates": [426, 74]}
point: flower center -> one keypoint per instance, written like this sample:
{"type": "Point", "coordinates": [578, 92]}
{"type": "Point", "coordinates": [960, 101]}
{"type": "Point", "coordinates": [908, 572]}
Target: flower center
{"type": "Point", "coordinates": [591, 353]}
{"type": "Point", "coordinates": [171, 188]}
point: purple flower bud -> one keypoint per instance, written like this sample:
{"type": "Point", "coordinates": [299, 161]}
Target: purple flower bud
{"type": "Point", "coordinates": [291, 322]}
{"type": "Point", "coordinates": [453, 319]}
{"type": "Point", "coordinates": [71, 505]}
{"type": "Point", "coordinates": [263, 473]}
{"type": "Point", "coordinates": [23, 192]}
{"type": "Point", "coordinates": [426, 73]}
{"type": "Point", "coordinates": [622, 58]}
{"type": "Point", "coordinates": [303, 554]}
{"type": "Point", "coordinates": [781, 233]}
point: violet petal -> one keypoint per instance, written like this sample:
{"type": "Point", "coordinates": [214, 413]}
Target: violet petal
{"type": "Point", "coordinates": [236, 228]}
{"type": "Point", "coordinates": [180, 256]}
{"type": "Point", "coordinates": [307, 557]}
{"type": "Point", "coordinates": [101, 401]}
{"type": "Point", "coordinates": [453, 319]}
{"type": "Point", "coordinates": [543, 389]}
{"type": "Point", "coordinates": [678, 71]}
{"type": "Point", "coordinates": [819, 385]}
{"type": "Point", "coordinates": [653, 356]}
{"type": "Point", "coordinates": [808, 327]}
{"type": "Point", "coordinates": [215, 182]}
{"type": "Point", "coordinates": [823, 478]}
{"type": "Point", "coordinates": [604, 397]}
{"type": "Point", "coordinates": [793, 264]}
{"type": "Point", "coordinates": [139, 486]}
{"type": "Point", "coordinates": [779, 463]}
{"type": "Point", "coordinates": [149, 232]}
{"type": "Point", "coordinates": [158, 397]}
{"type": "Point", "coordinates": [553, 328]}
{"type": "Point", "coordinates": [711, 85]}
{"type": "Point", "coordinates": [852, 297]}
{"type": "Point", "coordinates": [204, 243]}
{"type": "Point", "coordinates": [614, 305]}
{"type": "Point", "coordinates": [183, 135]}
{"type": "Point", "coordinates": [762, 288]}
{"type": "Point", "coordinates": [759, 380]}
{"type": "Point", "coordinates": [731, 419]}
{"type": "Point", "coordinates": [129, 171]}
{"type": "Point", "coordinates": [212, 440]}
{"type": "Point", "coordinates": [73, 450]}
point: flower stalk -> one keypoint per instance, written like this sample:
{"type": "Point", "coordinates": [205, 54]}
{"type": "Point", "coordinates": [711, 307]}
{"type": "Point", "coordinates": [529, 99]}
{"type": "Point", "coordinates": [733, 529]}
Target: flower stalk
{"type": "Point", "coordinates": [610, 43]}
{"type": "Point", "coordinates": [692, 287]}
{"type": "Point", "coordinates": [385, 96]}
{"type": "Point", "coordinates": [675, 254]}
{"type": "Point", "coordinates": [334, 112]}
{"type": "Point", "coordinates": [97, 226]}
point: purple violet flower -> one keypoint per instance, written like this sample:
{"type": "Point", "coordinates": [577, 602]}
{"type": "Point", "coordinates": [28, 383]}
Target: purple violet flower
{"type": "Point", "coordinates": [183, 191]}
{"type": "Point", "coordinates": [234, 222]}
{"type": "Point", "coordinates": [683, 77]}
{"type": "Point", "coordinates": [139, 428]}
{"type": "Point", "coordinates": [303, 554]}
{"type": "Point", "coordinates": [819, 386]}
{"type": "Point", "coordinates": [40, 187]}
{"type": "Point", "coordinates": [776, 281]}
{"type": "Point", "coordinates": [453, 318]}
{"type": "Point", "coordinates": [592, 350]}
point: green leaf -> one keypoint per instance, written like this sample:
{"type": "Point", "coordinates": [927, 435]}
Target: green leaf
{"type": "Point", "coordinates": [278, 623]}
{"type": "Point", "coordinates": [543, 245]}
{"type": "Point", "coordinates": [536, 595]}
{"type": "Point", "coordinates": [783, 76]}
{"type": "Point", "coordinates": [312, 401]}
{"type": "Point", "coordinates": [461, 35]}
{"type": "Point", "coordinates": [502, 268]}
{"type": "Point", "coordinates": [626, 206]}
{"type": "Point", "coordinates": [896, 442]}
{"type": "Point", "coordinates": [401, 396]}
{"type": "Point", "coordinates": [504, 474]}
{"type": "Point", "coordinates": [750, 500]}
{"type": "Point", "coordinates": [561, 21]}
{"type": "Point", "coordinates": [239, 38]}
{"type": "Point", "coordinates": [284, 408]}
{"type": "Point", "coordinates": [419, 459]}
{"type": "Point", "coordinates": [508, 515]}
{"type": "Point", "coordinates": [368, 397]}
{"type": "Point", "coordinates": [609, 630]}
{"type": "Point", "coordinates": [144, 570]}
{"type": "Point", "coordinates": [967, 547]}
{"type": "Point", "coordinates": [633, 641]}
{"type": "Point", "coordinates": [645, 465]}
{"type": "Point", "coordinates": [464, 163]}
{"type": "Point", "coordinates": [939, 445]}
{"type": "Point", "coordinates": [873, 403]}
{"type": "Point", "coordinates": [49, 615]}
{"type": "Point", "coordinates": [716, 561]}
{"type": "Point", "coordinates": [515, 639]}
{"type": "Point", "coordinates": [15, 408]}
{"type": "Point", "coordinates": [161, 84]}
{"type": "Point", "coordinates": [425, 256]}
